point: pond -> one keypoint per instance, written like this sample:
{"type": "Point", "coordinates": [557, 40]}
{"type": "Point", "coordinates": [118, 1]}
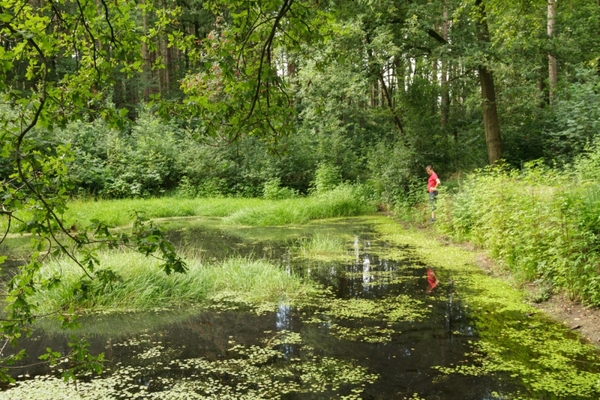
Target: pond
{"type": "Point", "coordinates": [378, 329]}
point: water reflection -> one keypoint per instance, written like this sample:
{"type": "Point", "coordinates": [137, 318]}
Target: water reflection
{"type": "Point", "coordinates": [432, 280]}
{"type": "Point", "coordinates": [283, 323]}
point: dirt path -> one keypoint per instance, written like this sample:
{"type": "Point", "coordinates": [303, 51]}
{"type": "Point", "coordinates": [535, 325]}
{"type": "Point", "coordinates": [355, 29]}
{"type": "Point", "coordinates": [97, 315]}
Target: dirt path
{"type": "Point", "coordinates": [575, 316]}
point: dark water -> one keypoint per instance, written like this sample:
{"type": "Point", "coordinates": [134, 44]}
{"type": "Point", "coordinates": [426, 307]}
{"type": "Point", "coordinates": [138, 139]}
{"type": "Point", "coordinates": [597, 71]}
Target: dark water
{"type": "Point", "coordinates": [403, 361]}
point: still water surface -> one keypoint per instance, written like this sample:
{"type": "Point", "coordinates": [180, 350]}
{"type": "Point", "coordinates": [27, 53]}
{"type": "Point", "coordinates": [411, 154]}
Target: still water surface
{"type": "Point", "coordinates": [395, 356]}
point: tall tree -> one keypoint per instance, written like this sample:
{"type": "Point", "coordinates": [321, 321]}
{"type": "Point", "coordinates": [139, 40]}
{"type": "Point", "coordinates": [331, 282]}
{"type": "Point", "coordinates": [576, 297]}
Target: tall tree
{"type": "Point", "coordinates": [552, 64]}
{"type": "Point", "coordinates": [444, 94]}
{"type": "Point", "coordinates": [491, 123]}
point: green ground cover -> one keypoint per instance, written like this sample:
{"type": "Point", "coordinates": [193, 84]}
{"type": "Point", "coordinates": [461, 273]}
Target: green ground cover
{"type": "Point", "coordinates": [514, 338]}
{"type": "Point", "coordinates": [540, 223]}
{"type": "Point", "coordinates": [342, 201]}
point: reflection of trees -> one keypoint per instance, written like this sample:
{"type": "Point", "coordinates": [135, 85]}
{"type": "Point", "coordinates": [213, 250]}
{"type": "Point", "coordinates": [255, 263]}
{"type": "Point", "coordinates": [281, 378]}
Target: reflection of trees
{"type": "Point", "coordinates": [284, 322]}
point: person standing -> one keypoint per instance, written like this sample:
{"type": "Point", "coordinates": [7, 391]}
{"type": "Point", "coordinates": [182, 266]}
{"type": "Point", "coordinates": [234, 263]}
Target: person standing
{"type": "Point", "coordinates": [432, 184]}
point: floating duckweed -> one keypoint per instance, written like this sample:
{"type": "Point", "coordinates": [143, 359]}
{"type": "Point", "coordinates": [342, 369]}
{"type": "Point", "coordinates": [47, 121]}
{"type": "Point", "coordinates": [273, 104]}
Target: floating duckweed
{"type": "Point", "coordinates": [154, 352]}
{"type": "Point", "coordinates": [388, 309]}
{"type": "Point", "coordinates": [542, 359]}
{"type": "Point", "coordinates": [545, 357]}
{"type": "Point", "coordinates": [367, 334]}
{"type": "Point", "coordinates": [249, 373]}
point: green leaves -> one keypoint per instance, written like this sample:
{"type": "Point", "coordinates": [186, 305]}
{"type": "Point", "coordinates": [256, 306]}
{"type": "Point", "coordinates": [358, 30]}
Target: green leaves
{"type": "Point", "coordinates": [61, 56]}
{"type": "Point", "coordinates": [148, 239]}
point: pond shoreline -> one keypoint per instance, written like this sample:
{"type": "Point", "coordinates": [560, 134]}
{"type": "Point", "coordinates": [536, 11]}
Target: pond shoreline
{"type": "Point", "coordinates": [575, 316]}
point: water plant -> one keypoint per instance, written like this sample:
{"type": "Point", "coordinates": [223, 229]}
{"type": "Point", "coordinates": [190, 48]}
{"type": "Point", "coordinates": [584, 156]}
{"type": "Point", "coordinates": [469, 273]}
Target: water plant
{"type": "Point", "coordinates": [505, 340]}
{"type": "Point", "coordinates": [548, 359]}
{"type": "Point", "coordinates": [141, 285]}
{"type": "Point", "coordinates": [262, 371]}
{"type": "Point", "coordinates": [322, 247]}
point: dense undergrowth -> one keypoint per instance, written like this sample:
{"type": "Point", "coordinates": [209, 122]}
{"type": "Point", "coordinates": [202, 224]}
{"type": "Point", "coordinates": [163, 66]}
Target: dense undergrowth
{"type": "Point", "coordinates": [542, 223]}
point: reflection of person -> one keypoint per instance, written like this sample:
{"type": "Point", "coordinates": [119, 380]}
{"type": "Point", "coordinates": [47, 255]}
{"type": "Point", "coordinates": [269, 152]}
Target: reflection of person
{"type": "Point", "coordinates": [432, 279]}
{"type": "Point", "coordinates": [432, 185]}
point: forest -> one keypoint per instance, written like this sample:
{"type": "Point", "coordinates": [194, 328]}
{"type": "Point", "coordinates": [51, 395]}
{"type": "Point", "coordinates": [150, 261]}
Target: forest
{"type": "Point", "coordinates": [329, 107]}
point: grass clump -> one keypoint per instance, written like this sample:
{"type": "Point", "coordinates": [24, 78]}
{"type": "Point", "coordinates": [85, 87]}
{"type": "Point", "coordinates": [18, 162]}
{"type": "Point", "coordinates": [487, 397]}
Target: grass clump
{"type": "Point", "coordinates": [144, 286]}
{"type": "Point", "coordinates": [321, 247]}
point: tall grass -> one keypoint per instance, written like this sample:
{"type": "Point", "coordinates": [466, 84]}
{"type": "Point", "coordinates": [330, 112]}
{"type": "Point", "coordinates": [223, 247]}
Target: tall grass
{"type": "Point", "coordinates": [119, 212]}
{"type": "Point", "coordinates": [145, 286]}
{"type": "Point", "coordinates": [541, 223]}
{"type": "Point", "coordinates": [343, 201]}
{"type": "Point", "coordinates": [321, 246]}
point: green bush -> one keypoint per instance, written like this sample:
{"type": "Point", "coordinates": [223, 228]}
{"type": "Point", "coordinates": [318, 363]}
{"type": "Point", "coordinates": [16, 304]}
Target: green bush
{"type": "Point", "coordinates": [541, 223]}
{"type": "Point", "coordinates": [272, 190]}
{"type": "Point", "coordinates": [327, 177]}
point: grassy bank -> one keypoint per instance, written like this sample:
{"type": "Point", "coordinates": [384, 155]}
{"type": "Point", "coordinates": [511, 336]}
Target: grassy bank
{"type": "Point", "coordinates": [145, 286]}
{"type": "Point", "coordinates": [119, 212]}
{"type": "Point", "coordinates": [343, 201]}
{"type": "Point", "coordinates": [542, 224]}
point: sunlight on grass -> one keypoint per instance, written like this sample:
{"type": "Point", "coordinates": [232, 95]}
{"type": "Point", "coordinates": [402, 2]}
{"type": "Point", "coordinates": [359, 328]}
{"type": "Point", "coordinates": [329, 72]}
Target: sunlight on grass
{"type": "Point", "coordinates": [119, 212]}
{"type": "Point", "coordinates": [322, 247]}
{"type": "Point", "coordinates": [340, 202]}
{"type": "Point", "coordinates": [144, 285]}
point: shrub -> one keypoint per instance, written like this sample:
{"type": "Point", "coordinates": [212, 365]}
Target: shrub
{"type": "Point", "coordinates": [272, 190]}
{"type": "Point", "coordinates": [327, 177]}
{"type": "Point", "coordinates": [541, 223]}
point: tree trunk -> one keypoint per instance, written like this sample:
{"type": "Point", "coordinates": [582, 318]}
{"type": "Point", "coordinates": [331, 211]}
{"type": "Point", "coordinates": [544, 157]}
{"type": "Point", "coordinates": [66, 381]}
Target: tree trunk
{"type": "Point", "coordinates": [542, 85]}
{"type": "Point", "coordinates": [377, 71]}
{"type": "Point", "coordinates": [445, 95]}
{"type": "Point", "coordinates": [390, 104]}
{"type": "Point", "coordinates": [491, 124]}
{"type": "Point", "coordinates": [434, 81]}
{"type": "Point", "coordinates": [552, 66]}
{"type": "Point", "coordinates": [147, 66]}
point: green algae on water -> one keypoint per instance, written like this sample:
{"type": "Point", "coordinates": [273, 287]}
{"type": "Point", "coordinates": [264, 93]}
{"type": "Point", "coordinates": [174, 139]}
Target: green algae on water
{"type": "Point", "coordinates": [248, 372]}
{"type": "Point", "coordinates": [513, 340]}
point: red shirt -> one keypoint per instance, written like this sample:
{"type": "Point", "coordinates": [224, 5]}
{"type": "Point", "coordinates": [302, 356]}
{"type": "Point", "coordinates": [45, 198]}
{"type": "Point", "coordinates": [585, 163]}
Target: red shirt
{"type": "Point", "coordinates": [432, 182]}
